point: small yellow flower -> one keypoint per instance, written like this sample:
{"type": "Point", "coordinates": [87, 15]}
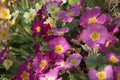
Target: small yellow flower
{"type": "Point", "coordinates": [7, 63]}
{"type": "Point", "coordinates": [5, 14]}
{"type": "Point", "coordinates": [29, 16]}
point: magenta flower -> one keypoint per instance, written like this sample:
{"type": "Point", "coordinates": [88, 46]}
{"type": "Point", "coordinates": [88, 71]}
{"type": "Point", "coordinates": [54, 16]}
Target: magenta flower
{"type": "Point", "coordinates": [73, 60]}
{"type": "Point", "coordinates": [94, 35]}
{"type": "Point", "coordinates": [116, 73]}
{"type": "Point", "coordinates": [58, 46]}
{"type": "Point", "coordinates": [40, 63]}
{"type": "Point", "coordinates": [67, 16]}
{"type": "Point", "coordinates": [93, 15]}
{"type": "Point", "coordinates": [24, 75]}
{"type": "Point", "coordinates": [52, 74]}
{"type": "Point", "coordinates": [105, 74]}
{"type": "Point", "coordinates": [112, 57]}
{"type": "Point", "coordinates": [27, 64]}
{"type": "Point", "coordinates": [111, 40]}
{"type": "Point", "coordinates": [3, 54]}
{"type": "Point", "coordinates": [59, 31]}
{"type": "Point", "coordinates": [37, 28]}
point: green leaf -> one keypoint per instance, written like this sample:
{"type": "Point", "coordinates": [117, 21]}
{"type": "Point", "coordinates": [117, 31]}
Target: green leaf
{"type": "Point", "coordinates": [1, 22]}
{"type": "Point", "coordinates": [44, 48]}
{"type": "Point", "coordinates": [76, 76]}
{"type": "Point", "coordinates": [37, 6]}
{"type": "Point", "coordinates": [96, 61]}
{"type": "Point", "coordinates": [71, 2]}
{"type": "Point", "coordinates": [91, 3]}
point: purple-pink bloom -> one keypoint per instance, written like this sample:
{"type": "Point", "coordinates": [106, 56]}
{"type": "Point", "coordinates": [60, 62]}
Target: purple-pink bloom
{"type": "Point", "coordinates": [116, 73]}
{"type": "Point", "coordinates": [3, 54]}
{"type": "Point", "coordinates": [94, 35]}
{"type": "Point", "coordinates": [27, 63]}
{"type": "Point", "coordinates": [73, 60]}
{"type": "Point", "coordinates": [58, 46]}
{"type": "Point", "coordinates": [93, 15]}
{"type": "Point", "coordinates": [24, 75]}
{"type": "Point", "coordinates": [60, 31]}
{"type": "Point", "coordinates": [112, 57]}
{"type": "Point", "coordinates": [52, 74]}
{"type": "Point", "coordinates": [37, 28]}
{"type": "Point", "coordinates": [67, 16]}
{"type": "Point", "coordinates": [40, 63]}
{"type": "Point", "coordinates": [105, 74]}
{"type": "Point", "coordinates": [111, 40]}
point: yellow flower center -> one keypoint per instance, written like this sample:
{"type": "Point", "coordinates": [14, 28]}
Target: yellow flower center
{"type": "Point", "coordinates": [95, 36]}
{"type": "Point", "coordinates": [62, 64]}
{"type": "Point", "coordinates": [2, 1]}
{"type": "Point", "coordinates": [7, 63]}
{"type": "Point", "coordinates": [113, 59]}
{"type": "Point", "coordinates": [25, 76]}
{"type": "Point", "coordinates": [53, 9]}
{"type": "Point", "coordinates": [73, 61]}
{"type": "Point", "coordinates": [3, 34]}
{"type": "Point", "coordinates": [30, 16]}
{"type": "Point", "coordinates": [101, 75]}
{"type": "Point", "coordinates": [59, 49]}
{"type": "Point", "coordinates": [70, 14]}
{"type": "Point", "coordinates": [79, 36]}
{"type": "Point", "coordinates": [118, 76]}
{"type": "Point", "coordinates": [56, 14]}
{"type": "Point", "coordinates": [29, 65]}
{"type": "Point", "coordinates": [49, 32]}
{"type": "Point", "coordinates": [92, 20]}
{"type": "Point", "coordinates": [38, 29]}
{"type": "Point", "coordinates": [60, 33]}
{"type": "Point", "coordinates": [43, 64]}
{"type": "Point", "coordinates": [51, 23]}
{"type": "Point", "coordinates": [51, 78]}
{"type": "Point", "coordinates": [5, 15]}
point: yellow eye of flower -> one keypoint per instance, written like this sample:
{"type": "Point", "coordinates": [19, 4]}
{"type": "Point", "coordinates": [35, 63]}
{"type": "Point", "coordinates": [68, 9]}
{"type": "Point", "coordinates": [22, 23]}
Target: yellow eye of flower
{"type": "Point", "coordinates": [52, 9]}
{"type": "Point", "coordinates": [92, 20]}
{"type": "Point", "coordinates": [51, 23]}
{"type": "Point", "coordinates": [4, 34]}
{"type": "Point", "coordinates": [101, 75]}
{"type": "Point", "coordinates": [38, 29]}
{"type": "Point", "coordinates": [29, 65]}
{"type": "Point", "coordinates": [118, 76]}
{"type": "Point", "coordinates": [70, 14]}
{"type": "Point", "coordinates": [60, 33]}
{"type": "Point", "coordinates": [59, 49]}
{"type": "Point", "coordinates": [31, 16]}
{"type": "Point", "coordinates": [95, 36]}
{"type": "Point", "coordinates": [56, 14]}
{"type": "Point", "coordinates": [7, 63]}
{"type": "Point", "coordinates": [113, 59]}
{"type": "Point", "coordinates": [6, 14]}
{"type": "Point", "coordinates": [49, 32]}
{"type": "Point", "coordinates": [43, 64]}
{"type": "Point", "coordinates": [51, 78]}
{"type": "Point", "coordinates": [25, 76]}
{"type": "Point", "coordinates": [62, 64]}
{"type": "Point", "coordinates": [73, 61]}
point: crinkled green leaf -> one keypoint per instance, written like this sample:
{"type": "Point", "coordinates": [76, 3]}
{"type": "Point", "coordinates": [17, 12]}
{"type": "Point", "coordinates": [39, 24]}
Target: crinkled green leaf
{"type": "Point", "coordinates": [44, 48]}
{"type": "Point", "coordinates": [71, 2]}
{"type": "Point", "coordinates": [91, 3]}
{"type": "Point", "coordinates": [77, 76]}
{"type": "Point", "coordinates": [96, 61]}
